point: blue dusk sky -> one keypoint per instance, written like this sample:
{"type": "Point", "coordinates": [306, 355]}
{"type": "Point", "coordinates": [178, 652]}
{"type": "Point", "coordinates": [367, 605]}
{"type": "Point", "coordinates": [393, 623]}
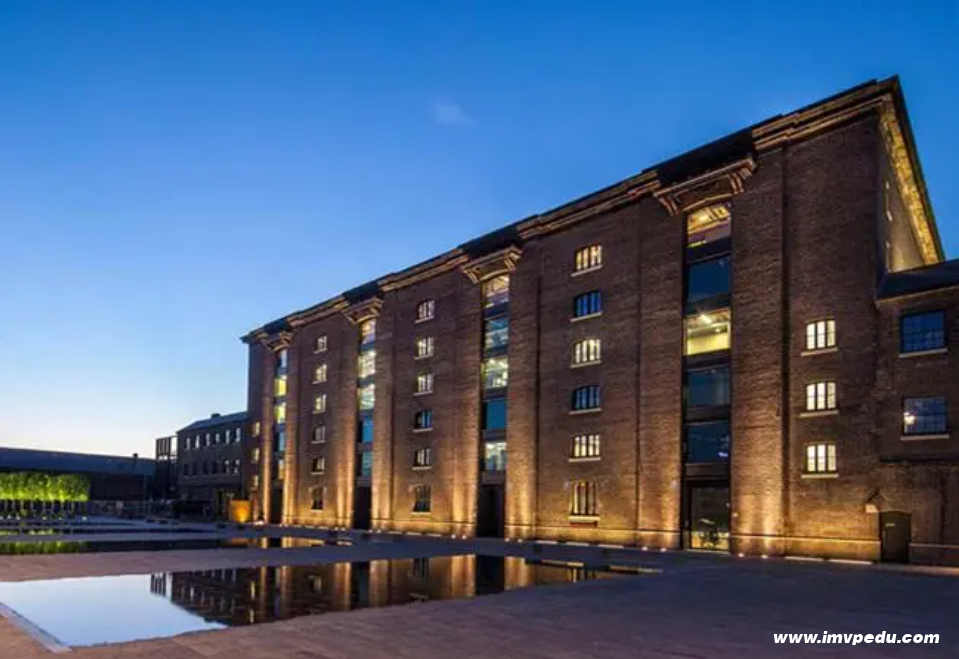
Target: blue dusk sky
{"type": "Point", "coordinates": [174, 173]}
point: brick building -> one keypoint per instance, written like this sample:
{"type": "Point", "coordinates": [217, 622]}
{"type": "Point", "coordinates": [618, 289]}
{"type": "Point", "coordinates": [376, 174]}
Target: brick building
{"type": "Point", "coordinates": [726, 351]}
{"type": "Point", "coordinates": [209, 462]}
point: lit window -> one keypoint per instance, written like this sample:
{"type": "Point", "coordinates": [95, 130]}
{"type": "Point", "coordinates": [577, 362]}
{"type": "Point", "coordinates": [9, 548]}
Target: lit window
{"type": "Point", "coordinates": [424, 310]}
{"type": "Point", "coordinates": [423, 457]}
{"type": "Point", "coordinates": [588, 304]}
{"type": "Point", "coordinates": [586, 398]}
{"type": "Point", "coordinates": [924, 416]}
{"type": "Point", "coordinates": [226, 435]}
{"type": "Point", "coordinates": [237, 435]}
{"type": "Point", "coordinates": [586, 351]}
{"type": "Point", "coordinates": [319, 374]}
{"type": "Point", "coordinates": [317, 495]}
{"type": "Point", "coordinates": [584, 446]}
{"type": "Point", "coordinates": [255, 481]}
{"type": "Point", "coordinates": [209, 442]}
{"type": "Point", "coordinates": [318, 466]}
{"type": "Point", "coordinates": [423, 420]}
{"type": "Point", "coordinates": [494, 414]}
{"type": "Point", "coordinates": [279, 413]}
{"type": "Point", "coordinates": [282, 359]}
{"type": "Point", "coordinates": [255, 455]}
{"type": "Point", "coordinates": [821, 458]}
{"type": "Point", "coordinates": [424, 382]}
{"type": "Point", "coordinates": [421, 499]}
{"type": "Point", "coordinates": [367, 397]}
{"type": "Point", "coordinates": [707, 442]}
{"type": "Point", "coordinates": [319, 404]}
{"type": "Point", "coordinates": [496, 291]}
{"type": "Point", "coordinates": [494, 456]}
{"type": "Point", "coordinates": [588, 258]}
{"type": "Point", "coordinates": [364, 465]}
{"type": "Point", "coordinates": [708, 225]}
{"type": "Point", "coordinates": [820, 396]}
{"type": "Point", "coordinates": [367, 332]}
{"type": "Point", "coordinates": [320, 344]}
{"type": "Point", "coordinates": [707, 387]}
{"type": "Point", "coordinates": [424, 347]}
{"type": "Point", "coordinates": [708, 331]}
{"type": "Point", "coordinates": [366, 364]}
{"type": "Point", "coordinates": [495, 372]}
{"type": "Point", "coordinates": [319, 434]}
{"type": "Point", "coordinates": [922, 331]}
{"type": "Point", "coordinates": [496, 333]}
{"type": "Point", "coordinates": [279, 386]}
{"type": "Point", "coordinates": [280, 469]}
{"type": "Point", "coordinates": [256, 428]}
{"type": "Point", "coordinates": [821, 334]}
{"type": "Point", "coordinates": [236, 465]}
{"type": "Point", "coordinates": [279, 440]}
{"type": "Point", "coordinates": [216, 439]}
{"type": "Point", "coordinates": [582, 499]}
{"type": "Point", "coordinates": [707, 279]}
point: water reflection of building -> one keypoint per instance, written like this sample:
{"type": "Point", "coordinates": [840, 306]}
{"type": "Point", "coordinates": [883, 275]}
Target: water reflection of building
{"type": "Point", "coordinates": [244, 596]}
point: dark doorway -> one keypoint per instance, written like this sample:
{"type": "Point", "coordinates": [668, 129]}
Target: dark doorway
{"type": "Point", "coordinates": [491, 513]}
{"type": "Point", "coordinates": [706, 515]}
{"type": "Point", "coordinates": [895, 531]}
{"type": "Point", "coordinates": [276, 506]}
{"type": "Point", "coordinates": [362, 507]}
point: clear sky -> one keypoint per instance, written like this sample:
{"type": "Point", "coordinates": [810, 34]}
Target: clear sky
{"type": "Point", "coordinates": [174, 173]}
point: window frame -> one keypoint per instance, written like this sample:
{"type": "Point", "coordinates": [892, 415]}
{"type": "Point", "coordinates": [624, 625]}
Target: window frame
{"type": "Point", "coordinates": [423, 420]}
{"type": "Point", "coordinates": [320, 373]}
{"type": "Point", "coordinates": [319, 434]}
{"type": "Point", "coordinates": [824, 463]}
{"type": "Point", "coordinates": [425, 310]}
{"type": "Point", "coordinates": [586, 447]}
{"type": "Point", "coordinates": [320, 344]}
{"type": "Point", "coordinates": [421, 377]}
{"type": "Point", "coordinates": [587, 351]}
{"type": "Point", "coordinates": [422, 499]}
{"type": "Point", "coordinates": [423, 457]}
{"type": "Point", "coordinates": [821, 396]}
{"type": "Point", "coordinates": [318, 465]}
{"type": "Point", "coordinates": [937, 432]}
{"type": "Point", "coordinates": [590, 393]}
{"type": "Point", "coordinates": [426, 342]}
{"type": "Point", "coordinates": [591, 261]}
{"type": "Point", "coordinates": [583, 503]}
{"type": "Point", "coordinates": [923, 350]}
{"type": "Point", "coordinates": [592, 305]}
{"type": "Point", "coordinates": [828, 336]}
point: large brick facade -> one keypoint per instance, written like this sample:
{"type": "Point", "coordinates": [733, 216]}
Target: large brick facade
{"type": "Point", "coordinates": [829, 222]}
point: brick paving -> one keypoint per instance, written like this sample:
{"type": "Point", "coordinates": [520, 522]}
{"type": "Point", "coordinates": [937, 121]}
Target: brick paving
{"type": "Point", "coordinates": [697, 606]}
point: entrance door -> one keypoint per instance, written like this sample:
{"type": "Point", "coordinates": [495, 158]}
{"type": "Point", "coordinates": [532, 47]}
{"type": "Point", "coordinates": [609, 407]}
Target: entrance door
{"type": "Point", "coordinates": [362, 507]}
{"type": "Point", "coordinates": [276, 506]}
{"type": "Point", "coordinates": [706, 511]}
{"type": "Point", "coordinates": [895, 531]}
{"type": "Point", "coordinates": [491, 514]}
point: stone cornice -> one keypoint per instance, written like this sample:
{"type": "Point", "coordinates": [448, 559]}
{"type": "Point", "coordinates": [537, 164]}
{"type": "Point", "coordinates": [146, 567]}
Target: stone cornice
{"type": "Point", "coordinates": [498, 263]}
{"type": "Point", "coordinates": [712, 187]}
{"type": "Point", "coordinates": [278, 340]}
{"type": "Point", "coordinates": [449, 261]}
{"type": "Point", "coordinates": [365, 310]}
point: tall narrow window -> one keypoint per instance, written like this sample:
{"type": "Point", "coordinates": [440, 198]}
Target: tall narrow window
{"type": "Point", "coordinates": [821, 458]}
{"type": "Point", "coordinates": [366, 364]}
{"type": "Point", "coordinates": [365, 431]}
{"type": "Point", "coordinates": [364, 464]}
{"type": "Point", "coordinates": [317, 496]}
{"type": "Point", "coordinates": [421, 499]}
{"type": "Point", "coordinates": [319, 404]}
{"type": "Point", "coordinates": [494, 456]}
{"type": "Point", "coordinates": [820, 396]}
{"type": "Point", "coordinates": [496, 291]}
{"type": "Point", "coordinates": [367, 332]}
{"type": "Point", "coordinates": [708, 331]}
{"type": "Point", "coordinates": [707, 387]}
{"type": "Point", "coordinates": [424, 310]}
{"type": "Point", "coordinates": [924, 416]}
{"type": "Point", "coordinates": [282, 359]}
{"type": "Point", "coordinates": [237, 436]}
{"type": "Point", "coordinates": [707, 442]}
{"type": "Point", "coordinates": [496, 333]}
{"type": "Point", "coordinates": [320, 344]}
{"type": "Point", "coordinates": [279, 386]}
{"type": "Point", "coordinates": [255, 455]}
{"type": "Point", "coordinates": [821, 334]}
{"type": "Point", "coordinates": [318, 466]}
{"type": "Point", "coordinates": [367, 397]}
{"type": "Point", "coordinates": [584, 447]}
{"type": "Point", "coordinates": [279, 417]}
{"type": "Point", "coordinates": [424, 347]}
{"type": "Point", "coordinates": [588, 258]}
{"type": "Point", "coordinates": [423, 457]}
{"type": "Point", "coordinates": [583, 499]}
{"type": "Point", "coordinates": [423, 420]}
{"type": "Point", "coordinates": [495, 372]}
{"type": "Point", "coordinates": [319, 434]}
{"type": "Point", "coordinates": [424, 382]}
{"type": "Point", "coordinates": [588, 305]}
{"type": "Point", "coordinates": [319, 374]}
{"type": "Point", "coordinates": [586, 398]}
{"type": "Point", "coordinates": [707, 279]}
{"type": "Point", "coordinates": [708, 225]}
{"type": "Point", "coordinates": [494, 414]}
{"type": "Point", "coordinates": [586, 352]}
{"type": "Point", "coordinates": [922, 331]}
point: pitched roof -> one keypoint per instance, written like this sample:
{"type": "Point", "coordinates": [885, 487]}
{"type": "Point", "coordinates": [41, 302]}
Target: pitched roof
{"type": "Point", "coordinates": [216, 420]}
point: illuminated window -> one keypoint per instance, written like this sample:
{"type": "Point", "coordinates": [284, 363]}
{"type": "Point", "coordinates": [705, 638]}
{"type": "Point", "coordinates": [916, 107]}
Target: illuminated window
{"type": "Point", "coordinates": [320, 344]}
{"type": "Point", "coordinates": [317, 496]}
{"type": "Point", "coordinates": [279, 413]}
{"type": "Point", "coordinates": [424, 310]}
{"type": "Point", "coordinates": [366, 364]}
{"type": "Point", "coordinates": [423, 420]}
{"type": "Point", "coordinates": [255, 481]}
{"type": "Point", "coordinates": [209, 442]}
{"type": "Point", "coordinates": [280, 469]}
{"type": "Point", "coordinates": [584, 446]}
{"type": "Point", "coordinates": [423, 457]}
{"type": "Point", "coordinates": [924, 416]}
{"type": "Point", "coordinates": [318, 466]}
{"type": "Point", "coordinates": [256, 428]}
{"type": "Point", "coordinates": [494, 456]}
{"type": "Point", "coordinates": [588, 305]}
{"type": "Point", "coordinates": [279, 386]}
{"type": "Point", "coordinates": [821, 458]}
{"type": "Point", "coordinates": [496, 291]}
{"type": "Point", "coordinates": [821, 334]}
{"type": "Point", "coordinates": [495, 372]}
{"type": "Point", "coordinates": [424, 382]}
{"type": "Point", "coordinates": [588, 258]}
{"type": "Point", "coordinates": [919, 332]}
{"type": "Point", "coordinates": [279, 440]}
{"type": "Point", "coordinates": [421, 499]}
{"type": "Point", "coordinates": [255, 455]}
{"type": "Point", "coordinates": [586, 398]}
{"type": "Point", "coordinates": [424, 347]}
{"type": "Point", "coordinates": [319, 434]}
{"type": "Point", "coordinates": [367, 332]}
{"type": "Point", "coordinates": [496, 333]}
{"type": "Point", "coordinates": [708, 331]}
{"type": "Point", "coordinates": [364, 464]}
{"type": "Point", "coordinates": [236, 465]}
{"type": "Point", "coordinates": [237, 435]}
{"type": "Point", "coordinates": [582, 499]}
{"type": "Point", "coordinates": [708, 225]}
{"type": "Point", "coordinates": [319, 374]}
{"type": "Point", "coordinates": [319, 404]}
{"type": "Point", "coordinates": [367, 397]}
{"type": "Point", "coordinates": [282, 359]}
{"type": "Point", "coordinates": [586, 352]}
{"type": "Point", "coordinates": [820, 396]}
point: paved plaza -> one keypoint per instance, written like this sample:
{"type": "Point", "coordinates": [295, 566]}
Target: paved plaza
{"type": "Point", "coordinates": [684, 606]}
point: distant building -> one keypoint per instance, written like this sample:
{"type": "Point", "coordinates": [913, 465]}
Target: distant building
{"type": "Point", "coordinates": [112, 477]}
{"type": "Point", "coordinates": [165, 485]}
{"type": "Point", "coordinates": [209, 454]}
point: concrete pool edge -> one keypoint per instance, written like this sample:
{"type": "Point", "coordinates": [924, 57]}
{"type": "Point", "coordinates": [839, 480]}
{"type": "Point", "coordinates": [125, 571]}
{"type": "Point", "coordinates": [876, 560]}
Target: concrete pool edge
{"type": "Point", "coordinates": [33, 631]}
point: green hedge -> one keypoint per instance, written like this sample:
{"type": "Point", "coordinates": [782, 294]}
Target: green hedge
{"type": "Point", "coordinates": [32, 486]}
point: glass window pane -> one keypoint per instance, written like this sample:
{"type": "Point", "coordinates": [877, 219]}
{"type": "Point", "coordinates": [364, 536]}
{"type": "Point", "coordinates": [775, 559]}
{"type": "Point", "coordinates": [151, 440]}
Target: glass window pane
{"type": "Point", "coordinates": [707, 442]}
{"type": "Point", "coordinates": [923, 331]}
{"type": "Point", "coordinates": [707, 225]}
{"type": "Point", "coordinates": [496, 332]}
{"type": "Point", "coordinates": [707, 386]}
{"type": "Point", "coordinates": [495, 372]}
{"type": "Point", "coordinates": [708, 332]}
{"type": "Point", "coordinates": [496, 291]}
{"type": "Point", "coordinates": [494, 414]}
{"type": "Point", "coordinates": [494, 456]}
{"type": "Point", "coordinates": [708, 279]}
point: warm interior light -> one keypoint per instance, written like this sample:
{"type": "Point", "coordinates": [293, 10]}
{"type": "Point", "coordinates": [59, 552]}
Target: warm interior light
{"type": "Point", "coordinates": [909, 418]}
